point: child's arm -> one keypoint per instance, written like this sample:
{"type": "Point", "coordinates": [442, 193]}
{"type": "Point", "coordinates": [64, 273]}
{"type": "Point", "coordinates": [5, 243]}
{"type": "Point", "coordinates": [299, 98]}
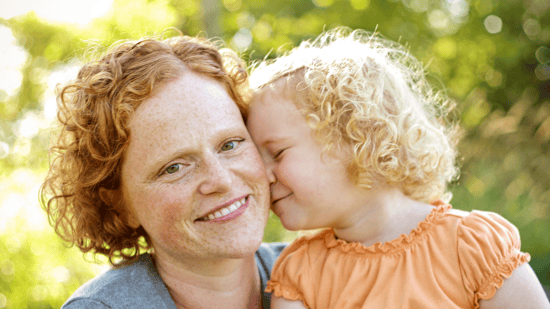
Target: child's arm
{"type": "Point", "coordinates": [521, 290]}
{"type": "Point", "coordinates": [283, 303]}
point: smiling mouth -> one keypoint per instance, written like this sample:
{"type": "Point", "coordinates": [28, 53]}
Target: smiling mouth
{"type": "Point", "coordinates": [225, 211]}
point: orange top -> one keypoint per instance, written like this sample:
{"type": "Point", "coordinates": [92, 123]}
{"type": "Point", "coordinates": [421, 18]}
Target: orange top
{"type": "Point", "coordinates": [451, 260]}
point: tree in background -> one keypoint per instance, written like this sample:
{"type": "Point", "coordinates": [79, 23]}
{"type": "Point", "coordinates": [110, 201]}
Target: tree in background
{"type": "Point", "coordinates": [492, 56]}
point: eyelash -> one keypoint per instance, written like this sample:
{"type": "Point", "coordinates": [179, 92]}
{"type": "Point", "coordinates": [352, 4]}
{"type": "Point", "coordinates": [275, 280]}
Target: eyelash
{"type": "Point", "coordinates": [165, 171]}
{"type": "Point", "coordinates": [237, 141]}
{"type": "Point", "coordinates": [278, 154]}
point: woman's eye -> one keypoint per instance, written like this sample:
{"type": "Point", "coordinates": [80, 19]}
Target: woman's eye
{"type": "Point", "coordinates": [172, 168]}
{"type": "Point", "coordinates": [230, 145]}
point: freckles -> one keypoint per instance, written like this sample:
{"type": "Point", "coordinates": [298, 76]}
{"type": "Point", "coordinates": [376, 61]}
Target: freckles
{"type": "Point", "coordinates": [260, 172]}
{"type": "Point", "coordinates": [253, 165]}
{"type": "Point", "coordinates": [175, 207]}
{"type": "Point", "coordinates": [162, 206]}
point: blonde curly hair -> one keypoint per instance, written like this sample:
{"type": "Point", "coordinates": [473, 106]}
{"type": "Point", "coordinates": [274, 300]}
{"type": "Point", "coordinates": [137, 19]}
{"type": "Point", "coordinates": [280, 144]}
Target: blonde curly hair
{"type": "Point", "coordinates": [94, 113]}
{"type": "Point", "coordinates": [368, 96]}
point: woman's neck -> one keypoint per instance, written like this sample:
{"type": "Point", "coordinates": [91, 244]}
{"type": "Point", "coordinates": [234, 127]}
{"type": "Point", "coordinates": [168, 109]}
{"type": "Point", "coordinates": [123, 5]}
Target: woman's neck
{"type": "Point", "coordinates": [387, 214]}
{"type": "Point", "coordinates": [228, 283]}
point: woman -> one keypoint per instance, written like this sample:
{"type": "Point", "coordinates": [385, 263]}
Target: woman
{"type": "Point", "coordinates": [153, 155]}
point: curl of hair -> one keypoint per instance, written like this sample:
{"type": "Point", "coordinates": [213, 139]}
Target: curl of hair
{"type": "Point", "coordinates": [368, 96]}
{"type": "Point", "coordinates": [94, 113]}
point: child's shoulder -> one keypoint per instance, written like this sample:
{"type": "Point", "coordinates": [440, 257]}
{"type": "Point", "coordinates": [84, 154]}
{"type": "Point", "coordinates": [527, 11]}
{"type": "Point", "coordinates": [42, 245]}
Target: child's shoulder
{"type": "Point", "coordinates": [479, 219]}
{"type": "Point", "coordinates": [488, 249]}
{"type": "Point", "coordinates": [483, 226]}
{"type": "Point", "coordinates": [444, 210]}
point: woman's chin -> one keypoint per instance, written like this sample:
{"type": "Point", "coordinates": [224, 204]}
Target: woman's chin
{"type": "Point", "coordinates": [248, 237]}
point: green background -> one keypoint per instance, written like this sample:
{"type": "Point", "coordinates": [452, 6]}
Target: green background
{"type": "Point", "coordinates": [491, 56]}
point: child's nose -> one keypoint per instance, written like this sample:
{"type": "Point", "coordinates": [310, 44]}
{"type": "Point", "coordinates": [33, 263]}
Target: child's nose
{"type": "Point", "coordinates": [270, 174]}
{"type": "Point", "coordinates": [269, 164]}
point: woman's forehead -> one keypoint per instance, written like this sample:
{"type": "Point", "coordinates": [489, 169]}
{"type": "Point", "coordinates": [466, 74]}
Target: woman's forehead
{"type": "Point", "coordinates": [191, 113]}
{"type": "Point", "coordinates": [189, 95]}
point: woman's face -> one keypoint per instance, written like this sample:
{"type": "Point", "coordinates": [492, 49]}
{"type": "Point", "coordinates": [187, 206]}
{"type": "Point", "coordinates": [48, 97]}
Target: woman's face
{"type": "Point", "coordinates": [192, 176]}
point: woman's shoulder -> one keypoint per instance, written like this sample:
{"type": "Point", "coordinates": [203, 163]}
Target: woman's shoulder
{"type": "Point", "coordinates": [137, 285]}
{"type": "Point", "coordinates": [266, 256]}
{"type": "Point", "coordinates": [270, 250]}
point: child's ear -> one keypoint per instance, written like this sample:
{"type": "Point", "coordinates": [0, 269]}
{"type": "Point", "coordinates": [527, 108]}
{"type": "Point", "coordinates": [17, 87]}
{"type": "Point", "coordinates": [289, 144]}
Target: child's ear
{"type": "Point", "coordinates": [114, 199]}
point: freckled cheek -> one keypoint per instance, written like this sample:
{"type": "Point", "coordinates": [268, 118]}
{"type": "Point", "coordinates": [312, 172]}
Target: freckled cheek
{"type": "Point", "coordinates": [251, 170]}
{"type": "Point", "coordinates": [253, 165]}
{"type": "Point", "coordinates": [161, 208]}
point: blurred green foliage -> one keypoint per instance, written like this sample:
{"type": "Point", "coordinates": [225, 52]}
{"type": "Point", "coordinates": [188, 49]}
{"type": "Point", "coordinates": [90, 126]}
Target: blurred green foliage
{"type": "Point", "coordinates": [492, 56]}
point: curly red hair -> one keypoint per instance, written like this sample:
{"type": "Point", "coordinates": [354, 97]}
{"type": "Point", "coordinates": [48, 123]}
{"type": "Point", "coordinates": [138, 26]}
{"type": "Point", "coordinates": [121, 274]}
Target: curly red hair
{"type": "Point", "coordinates": [94, 113]}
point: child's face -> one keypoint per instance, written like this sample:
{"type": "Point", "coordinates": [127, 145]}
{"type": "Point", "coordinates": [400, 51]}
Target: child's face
{"type": "Point", "coordinates": [309, 189]}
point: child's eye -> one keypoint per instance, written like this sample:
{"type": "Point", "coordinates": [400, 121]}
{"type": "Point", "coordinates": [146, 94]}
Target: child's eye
{"type": "Point", "coordinates": [231, 145]}
{"type": "Point", "coordinates": [278, 153]}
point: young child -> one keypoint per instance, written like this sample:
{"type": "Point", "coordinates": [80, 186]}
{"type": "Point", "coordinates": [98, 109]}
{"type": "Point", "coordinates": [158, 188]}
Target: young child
{"type": "Point", "coordinates": [356, 142]}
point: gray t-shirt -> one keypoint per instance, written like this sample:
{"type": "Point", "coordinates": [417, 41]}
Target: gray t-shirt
{"type": "Point", "coordinates": [139, 285]}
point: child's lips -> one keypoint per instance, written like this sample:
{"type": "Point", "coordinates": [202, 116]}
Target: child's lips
{"type": "Point", "coordinates": [275, 200]}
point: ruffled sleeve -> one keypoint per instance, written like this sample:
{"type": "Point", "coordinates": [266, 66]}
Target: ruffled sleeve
{"type": "Point", "coordinates": [290, 271]}
{"type": "Point", "coordinates": [489, 251]}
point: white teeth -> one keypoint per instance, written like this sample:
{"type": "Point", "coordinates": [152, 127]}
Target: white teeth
{"type": "Point", "coordinates": [225, 211]}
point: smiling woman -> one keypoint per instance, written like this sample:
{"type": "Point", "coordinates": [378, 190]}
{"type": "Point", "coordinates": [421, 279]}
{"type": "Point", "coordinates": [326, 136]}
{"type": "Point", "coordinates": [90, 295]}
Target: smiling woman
{"type": "Point", "coordinates": [191, 165]}
{"type": "Point", "coordinates": [154, 156]}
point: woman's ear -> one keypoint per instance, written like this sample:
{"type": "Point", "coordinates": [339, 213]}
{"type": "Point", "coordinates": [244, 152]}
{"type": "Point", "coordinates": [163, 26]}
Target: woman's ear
{"type": "Point", "coordinates": [114, 199]}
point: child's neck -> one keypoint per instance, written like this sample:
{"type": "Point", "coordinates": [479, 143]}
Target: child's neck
{"type": "Point", "coordinates": [387, 215]}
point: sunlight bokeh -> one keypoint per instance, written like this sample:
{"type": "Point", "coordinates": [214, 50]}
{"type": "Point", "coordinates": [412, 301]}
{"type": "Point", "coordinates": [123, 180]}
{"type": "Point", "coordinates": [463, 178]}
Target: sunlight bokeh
{"type": "Point", "coordinates": [78, 12]}
{"type": "Point", "coordinates": [12, 57]}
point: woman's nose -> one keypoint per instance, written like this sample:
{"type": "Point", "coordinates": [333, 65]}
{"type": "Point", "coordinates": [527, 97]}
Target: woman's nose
{"type": "Point", "coordinates": [217, 176]}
